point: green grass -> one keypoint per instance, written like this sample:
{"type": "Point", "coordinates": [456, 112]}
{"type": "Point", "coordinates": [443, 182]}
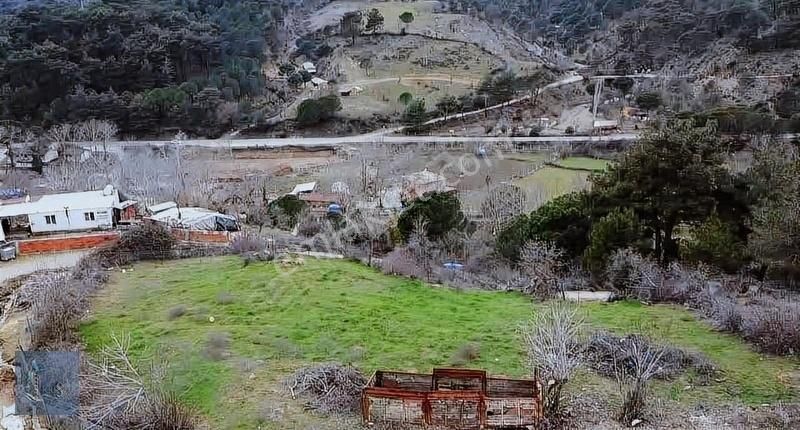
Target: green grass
{"type": "Point", "coordinates": [550, 182]}
{"type": "Point", "coordinates": [584, 163]}
{"type": "Point", "coordinates": [328, 310]}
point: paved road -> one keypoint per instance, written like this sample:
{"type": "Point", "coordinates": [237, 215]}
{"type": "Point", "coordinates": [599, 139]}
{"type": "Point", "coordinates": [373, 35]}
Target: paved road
{"type": "Point", "coordinates": [310, 142]}
{"type": "Point", "coordinates": [373, 137]}
{"type": "Point", "coordinates": [33, 263]}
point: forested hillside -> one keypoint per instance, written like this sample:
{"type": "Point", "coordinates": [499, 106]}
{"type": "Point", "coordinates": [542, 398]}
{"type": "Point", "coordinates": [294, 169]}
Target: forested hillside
{"type": "Point", "coordinates": [151, 66]}
{"type": "Point", "coordinates": [648, 33]}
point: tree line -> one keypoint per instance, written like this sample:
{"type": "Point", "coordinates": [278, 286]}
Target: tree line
{"type": "Point", "coordinates": [148, 66]}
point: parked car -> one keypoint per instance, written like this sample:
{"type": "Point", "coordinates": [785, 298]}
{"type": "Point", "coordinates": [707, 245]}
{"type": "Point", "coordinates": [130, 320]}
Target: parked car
{"type": "Point", "coordinates": [8, 251]}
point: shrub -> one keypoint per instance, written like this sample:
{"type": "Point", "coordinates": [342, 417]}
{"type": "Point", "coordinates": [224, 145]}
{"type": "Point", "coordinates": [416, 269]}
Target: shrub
{"type": "Point", "coordinates": [176, 312]}
{"type": "Point", "coordinates": [248, 242]}
{"type": "Point", "coordinates": [714, 242]}
{"type": "Point", "coordinates": [563, 221]}
{"type": "Point", "coordinates": [465, 354]}
{"type": "Point", "coordinates": [619, 229]}
{"type": "Point", "coordinates": [313, 111]}
{"type": "Point", "coordinates": [773, 327]}
{"type": "Point", "coordinates": [440, 210]}
{"type": "Point", "coordinates": [225, 298]}
{"type": "Point", "coordinates": [217, 345]}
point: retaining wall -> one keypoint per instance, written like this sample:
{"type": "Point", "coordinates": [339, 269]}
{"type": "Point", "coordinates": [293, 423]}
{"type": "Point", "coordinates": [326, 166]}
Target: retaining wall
{"type": "Point", "coordinates": [66, 243]}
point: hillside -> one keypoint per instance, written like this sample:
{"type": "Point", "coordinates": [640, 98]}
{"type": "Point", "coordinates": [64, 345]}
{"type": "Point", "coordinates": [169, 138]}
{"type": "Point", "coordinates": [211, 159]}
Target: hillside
{"type": "Point", "coordinates": [700, 38]}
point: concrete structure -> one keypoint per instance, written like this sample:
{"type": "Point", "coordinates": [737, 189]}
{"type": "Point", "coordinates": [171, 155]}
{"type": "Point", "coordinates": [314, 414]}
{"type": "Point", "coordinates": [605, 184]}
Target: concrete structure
{"type": "Point", "coordinates": [89, 210]}
{"type": "Point", "coordinates": [307, 187]}
{"type": "Point", "coordinates": [319, 82]}
{"type": "Point", "coordinates": [309, 67]}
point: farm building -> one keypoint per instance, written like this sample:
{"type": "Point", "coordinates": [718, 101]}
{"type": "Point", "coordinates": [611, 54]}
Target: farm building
{"type": "Point", "coordinates": [192, 218]}
{"type": "Point", "coordinates": [51, 213]}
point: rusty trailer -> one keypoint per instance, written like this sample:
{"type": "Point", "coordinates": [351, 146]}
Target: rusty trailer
{"type": "Point", "coordinates": [459, 399]}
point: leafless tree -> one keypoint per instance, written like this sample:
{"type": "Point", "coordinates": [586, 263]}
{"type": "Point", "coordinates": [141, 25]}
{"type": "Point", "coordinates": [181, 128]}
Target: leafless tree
{"type": "Point", "coordinates": [422, 249]}
{"type": "Point", "coordinates": [61, 134]}
{"type": "Point", "coordinates": [634, 375]}
{"type": "Point", "coordinates": [552, 340]}
{"type": "Point", "coordinates": [543, 263]}
{"type": "Point", "coordinates": [97, 131]}
{"type": "Point", "coordinates": [504, 203]}
{"type": "Point", "coordinates": [10, 135]}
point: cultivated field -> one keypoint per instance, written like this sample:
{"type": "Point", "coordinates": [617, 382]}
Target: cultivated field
{"type": "Point", "coordinates": [276, 318]}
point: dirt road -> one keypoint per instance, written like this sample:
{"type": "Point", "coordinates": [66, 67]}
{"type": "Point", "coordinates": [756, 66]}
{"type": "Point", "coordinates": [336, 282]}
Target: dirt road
{"type": "Point", "coordinates": [29, 264]}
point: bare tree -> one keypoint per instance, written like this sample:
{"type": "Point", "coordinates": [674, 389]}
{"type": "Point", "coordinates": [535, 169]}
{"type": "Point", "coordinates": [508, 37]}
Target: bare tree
{"type": "Point", "coordinates": [97, 131]}
{"type": "Point", "coordinates": [11, 135]}
{"type": "Point", "coordinates": [422, 249]}
{"type": "Point", "coordinates": [543, 263]}
{"type": "Point", "coordinates": [642, 365]}
{"type": "Point", "coordinates": [504, 203]}
{"type": "Point", "coordinates": [552, 341]}
{"type": "Point", "coordinates": [61, 134]}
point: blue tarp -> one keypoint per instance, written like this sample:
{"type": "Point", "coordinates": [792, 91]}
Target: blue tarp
{"type": "Point", "coordinates": [11, 193]}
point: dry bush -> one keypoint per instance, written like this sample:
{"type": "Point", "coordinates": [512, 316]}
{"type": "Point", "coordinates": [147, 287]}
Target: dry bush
{"type": "Point", "coordinates": [116, 397]}
{"type": "Point", "coordinates": [329, 388]}
{"type": "Point", "coordinates": [247, 243]}
{"type": "Point", "coordinates": [543, 263]}
{"type": "Point", "coordinates": [176, 312]}
{"type": "Point", "coordinates": [634, 375]}
{"type": "Point", "coordinates": [285, 348]}
{"type": "Point", "coordinates": [148, 241]}
{"type": "Point", "coordinates": [466, 354]}
{"type": "Point", "coordinates": [635, 276]}
{"type": "Point", "coordinates": [401, 262]}
{"type": "Point", "coordinates": [58, 304]}
{"type": "Point", "coordinates": [225, 298]}
{"type": "Point", "coordinates": [552, 342]}
{"type": "Point", "coordinates": [773, 326]}
{"type": "Point", "coordinates": [309, 226]}
{"type": "Point", "coordinates": [608, 355]}
{"type": "Point", "coordinates": [726, 314]}
{"type": "Point", "coordinates": [216, 347]}
{"type": "Point", "coordinates": [270, 412]}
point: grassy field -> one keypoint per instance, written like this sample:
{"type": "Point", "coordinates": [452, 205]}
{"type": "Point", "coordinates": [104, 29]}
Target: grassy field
{"type": "Point", "coordinates": [584, 163]}
{"type": "Point", "coordinates": [550, 182]}
{"type": "Point", "coordinates": [281, 318]}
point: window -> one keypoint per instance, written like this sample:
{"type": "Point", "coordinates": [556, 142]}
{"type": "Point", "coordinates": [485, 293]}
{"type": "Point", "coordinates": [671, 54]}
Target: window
{"type": "Point", "coordinates": [50, 219]}
{"type": "Point", "coordinates": [88, 216]}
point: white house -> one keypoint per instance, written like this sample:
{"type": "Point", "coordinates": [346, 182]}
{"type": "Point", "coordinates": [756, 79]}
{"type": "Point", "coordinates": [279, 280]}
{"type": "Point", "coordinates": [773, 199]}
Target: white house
{"type": "Point", "coordinates": [89, 210]}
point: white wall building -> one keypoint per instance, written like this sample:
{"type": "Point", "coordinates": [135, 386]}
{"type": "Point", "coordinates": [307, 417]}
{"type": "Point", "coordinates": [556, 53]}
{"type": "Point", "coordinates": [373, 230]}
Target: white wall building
{"type": "Point", "coordinates": [90, 210]}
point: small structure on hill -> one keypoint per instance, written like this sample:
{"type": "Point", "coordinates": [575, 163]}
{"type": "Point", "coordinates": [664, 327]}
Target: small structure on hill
{"type": "Point", "coordinates": [304, 188]}
{"type": "Point", "coordinates": [309, 67]}
{"type": "Point", "coordinates": [418, 184]}
{"type": "Point", "coordinates": [451, 398]}
{"type": "Point", "coordinates": [605, 126]}
{"type": "Point", "coordinates": [64, 212]}
{"type": "Point", "coordinates": [350, 91]}
{"type": "Point", "coordinates": [319, 203]}
{"type": "Point", "coordinates": [319, 82]}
